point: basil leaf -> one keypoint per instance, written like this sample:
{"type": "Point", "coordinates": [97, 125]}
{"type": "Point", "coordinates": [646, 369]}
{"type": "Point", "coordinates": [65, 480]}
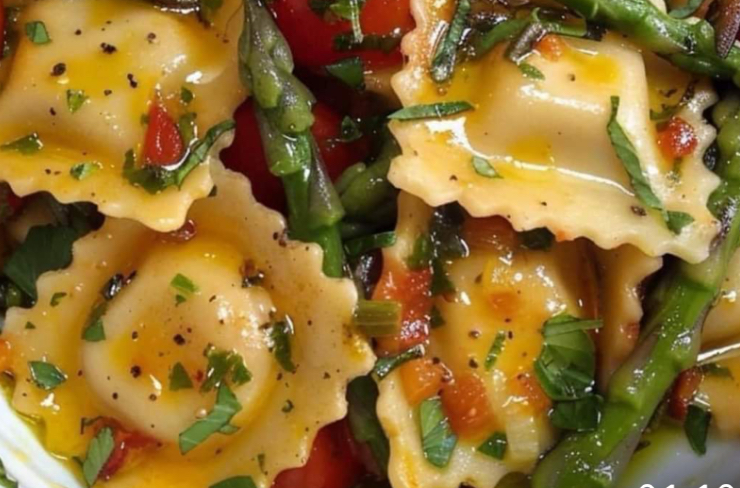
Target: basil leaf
{"type": "Point", "coordinates": [501, 32]}
{"type": "Point", "coordinates": [46, 248]}
{"type": "Point", "coordinates": [431, 111]}
{"type": "Point", "coordinates": [187, 127]}
{"type": "Point", "coordinates": [183, 284]}
{"type": "Point", "coordinates": [422, 254]}
{"type": "Point", "coordinates": [361, 245]}
{"type": "Point", "coordinates": [349, 71]}
{"type": "Point", "coordinates": [80, 171]}
{"type": "Point", "coordinates": [217, 419]}
{"type": "Point", "coordinates": [494, 446]}
{"type": "Point", "coordinates": [441, 282]}
{"type": "Point", "coordinates": [236, 482]}
{"type": "Point", "coordinates": [484, 167]}
{"type": "Point", "coordinates": [179, 378]}
{"type": "Point", "coordinates": [279, 343]}
{"type": "Point", "coordinates": [540, 239]}
{"type": "Point", "coordinates": [98, 453]}
{"type": "Point", "coordinates": [687, 10]}
{"type": "Point", "coordinates": [566, 365]}
{"type": "Point", "coordinates": [37, 33]}
{"type": "Point", "coordinates": [222, 364]}
{"type": "Point", "coordinates": [362, 397]}
{"type": "Point", "coordinates": [564, 323]}
{"type": "Point", "coordinates": [26, 145]}
{"type": "Point", "coordinates": [94, 331]}
{"type": "Point", "coordinates": [696, 427]}
{"type": "Point", "coordinates": [675, 221]}
{"type": "Point", "coordinates": [75, 100]}
{"type": "Point", "coordinates": [530, 71]}
{"type": "Point", "coordinates": [350, 10]}
{"type": "Point", "coordinates": [385, 366]}
{"type": "Point", "coordinates": [496, 348]}
{"type": "Point", "coordinates": [6, 482]}
{"type": "Point", "coordinates": [445, 57]}
{"type": "Point", "coordinates": [579, 415]}
{"type": "Point", "coordinates": [437, 439]}
{"type": "Point", "coordinates": [46, 375]}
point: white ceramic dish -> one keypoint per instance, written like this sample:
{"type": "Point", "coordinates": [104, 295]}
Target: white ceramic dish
{"type": "Point", "coordinates": [667, 461]}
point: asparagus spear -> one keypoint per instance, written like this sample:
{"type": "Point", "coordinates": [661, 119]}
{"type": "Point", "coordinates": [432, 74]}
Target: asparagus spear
{"type": "Point", "coordinates": [283, 108]}
{"type": "Point", "coordinates": [690, 46]}
{"type": "Point", "coordinates": [669, 342]}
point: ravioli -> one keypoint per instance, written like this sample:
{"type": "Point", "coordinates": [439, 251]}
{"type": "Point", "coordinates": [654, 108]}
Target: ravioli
{"type": "Point", "coordinates": [500, 288]}
{"type": "Point", "coordinates": [139, 352]}
{"type": "Point", "coordinates": [85, 93]}
{"type": "Point", "coordinates": [547, 140]}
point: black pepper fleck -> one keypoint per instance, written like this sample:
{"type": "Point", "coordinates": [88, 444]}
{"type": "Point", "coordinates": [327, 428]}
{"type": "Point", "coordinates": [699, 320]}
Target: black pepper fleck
{"type": "Point", "coordinates": [132, 81]}
{"type": "Point", "coordinates": [108, 48]}
{"type": "Point", "coordinates": [179, 340]}
{"type": "Point", "coordinates": [135, 371]}
{"type": "Point", "coordinates": [59, 69]}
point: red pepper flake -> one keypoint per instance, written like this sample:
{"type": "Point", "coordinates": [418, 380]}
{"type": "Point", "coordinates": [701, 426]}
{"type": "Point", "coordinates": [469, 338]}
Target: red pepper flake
{"type": "Point", "coordinates": [676, 138]}
{"type": "Point", "coordinates": [163, 144]}
{"type": "Point", "coordinates": [684, 391]}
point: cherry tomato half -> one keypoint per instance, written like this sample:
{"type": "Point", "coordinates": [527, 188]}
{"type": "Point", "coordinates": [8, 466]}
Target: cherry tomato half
{"type": "Point", "coordinates": [330, 465]}
{"type": "Point", "coordinates": [312, 35]}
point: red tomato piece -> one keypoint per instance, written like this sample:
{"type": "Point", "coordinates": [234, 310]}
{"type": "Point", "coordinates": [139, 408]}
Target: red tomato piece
{"type": "Point", "coordinates": [683, 393]}
{"type": "Point", "coordinates": [466, 403]}
{"type": "Point", "coordinates": [330, 465]}
{"type": "Point", "coordinates": [163, 144]}
{"type": "Point", "coordinates": [677, 138]}
{"type": "Point", "coordinates": [311, 35]}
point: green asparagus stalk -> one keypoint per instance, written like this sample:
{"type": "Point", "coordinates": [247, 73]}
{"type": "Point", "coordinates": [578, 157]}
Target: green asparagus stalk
{"type": "Point", "coordinates": [669, 342]}
{"type": "Point", "coordinates": [688, 45]}
{"type": "Point", "coordinates": [283, 108]}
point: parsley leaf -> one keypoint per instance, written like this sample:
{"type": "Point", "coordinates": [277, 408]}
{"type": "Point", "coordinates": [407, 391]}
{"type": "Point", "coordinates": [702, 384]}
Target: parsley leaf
{"type": "Point", "coordinates": [431, 111]}
{"type": "Point", "coordinates": [530, 71]}
{"type": "Point", "coordinates": [484, 167]}
{"type": "Point", "coordinates": [581, 415]}
{"type": "Point", "coordinates": [184, 286]}
{"type": "Point", "coordinates": [37, 33]}
{"type": "Point", "coordinates": [56, 298]}
{"type": "Point", "coordinates": [279, 343]}
{"type": "Point", "coordinates": [179, 378]}
{"type": "Point", "coordinates": [565, 367]}
{"type": "Point", "coordinates": [222, 364]}
{"type": "Point", "coordinates": [349, 71]}
{"type": "Point", "coordinates": [98, 453]}
{"type": "Point", "coordinates": [46, 248]}
{"type": "Point", "coordinates": [385, 366]}
{"type": "Point", "coordinates": [696, 427]}
{"type": "Point", "coordinates": [362, 397]}
{"type": "Point", "coordinates": [495, 446]}
{"type": "Point", "coordinates": [496, 348]}
{"type": "Point", "coordinates": [445, 57]}
{"type": "Point", "coordinates": [26, 145]}
{"type": "Point", "coordinates": [94, 331]}
{"type": "Point", "coordinates": [437, 439]}
{"type": "Point", "coordinates": [216, 421]}
{"type": "Point", "coordinates": [76, 99]}
{"type": "Point", "coordinates": [80, 171]}
{"type": "Point", "coordinates": [46, 375]}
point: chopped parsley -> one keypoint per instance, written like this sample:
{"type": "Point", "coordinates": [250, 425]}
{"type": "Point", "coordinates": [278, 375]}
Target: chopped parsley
{"type": "Point", "coordinates": [437, 439]}
{"type": "Point", "coordinates": [431, 111]}
{"type": "Point", "coordinates": [98, 453]}
{"type": "Point", "coordinates": [385, 366]}
{"type": "Point", "coordinates": [218, 420]}
{"type": "Point", "coordinates": [236, 482]}
{"type": "Point", "coordinates": [94, 330]}
{"type": "Point", "coordinates": [37, 33]}
{"type": "Point", "coordinates": [484, 167]}
{"type": "Point", "coordinates": [76, 99]}
{"type": "Point", "coordinates": [27, 145]}
{"type": "Point", "coordinates": [184, 286]}
{"type": "Point", "coordinates": [46, 375]}
{"type": "Point", "coordinates": [221, 365]}
{"type": "Point", "coordinates": [495, 446]}
{"type": "Point", "coordinates": [696, 427]}
{"type": "Point", "coordinates": [349, 71]}
{"type": "Point", "coordinates": [56, 298]}
{"type": "Point", "coordinates": [279, 335]}
{"type": "Point", "coordinates": [496, 348]}
{"type": "Point", "coordinates": [179, 378]}
{"type": "Point", "coordinates": [81, 171]}
{"type": "Point", "coordinates": [530, 71]}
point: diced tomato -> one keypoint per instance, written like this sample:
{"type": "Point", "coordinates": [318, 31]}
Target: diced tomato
{"type": "Point", "coordinates": [525, 387]}
{"type": "Point", "coordinates": [246, 154]}
{"type": "Point", "coordinates": [490, 233]}
{"type": "Point", "coordinates": [311, 36]}
{"type": "Point", "coordinates": [551, 47]}
{"type": "Point", "coordinates": [5, 356]}
{"type": "Point", "coordinates": [163, 144]}
{"type": "Point", "coordinates": [412, 289]}
{"type": "Point", "coordinates": [330, 465]}
{"type": "Point", "coordinates": [422, 379]}
{"type": "Point", "coordinates": [466, 404]}
{"type": "Point", "coordinates": [677, 138]}
{"type": "Point", "coordinates": [125, 442]}
{"type": "Point", "coordinates": [683, 393]}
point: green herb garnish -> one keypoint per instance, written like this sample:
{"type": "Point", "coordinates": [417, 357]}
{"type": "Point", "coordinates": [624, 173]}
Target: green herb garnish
{"type": "Point", "coordinates": [484, 167]}
{"type": "Point", "coordinates": [696, 427]}
{"type": "Point", "coordinates": [179, 378]}
{"type": "Point", "coordinates": [377, 317]}
{"type": "Point", "coordinates": [26, 145]}
{"type": "Point", "coordinates": [76, 99]}
{"type": "Point", "coordinates": [362, 397]}
{"type": "Point", "coordinates": [186, 96]}
{"type": "Point", "coordinates": [582, 415]}
{"type": "Point", "coordinates": [98, 453]}
{"type": "Point", "coordinates": [81, 171]}
{"type": "Point", "coordinates": [431, 111]}
{"type": "Point", "coordinates": [223, 364]}
{"type": "Point", "coordinates": [445, 57]}
{"type": "Point", "coordinates": [37, 33]}
{"type": "Point", "coordinates": [361, 245]}
{"type": "Point", "coordinates": [495, 446]}
{"type": "Point", "coordinates": [496, 348]}
{"type": "Point", "coordinates": [279, 337]}
{"type": "Point", "coordinates": [530, 71]}
{"type": "Point", "coordinates": [385, 366]}
{"type": "Point", "coordinates": [6, 482]}
{"type": "Point", "coordinates": [94, 331]}
{"type": "Point", "coordinates": [46, 375]}
{"type": "Point", "coordinates": [349, 71]}
{"type": "Point", "coordinates": [236, 482]}
{"type": "Point", "coordinates": [437, 439]}
{"type": "Point", "coordinates": [217, 420]}
{"type": "Point", "coordinates": [56, 298]}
